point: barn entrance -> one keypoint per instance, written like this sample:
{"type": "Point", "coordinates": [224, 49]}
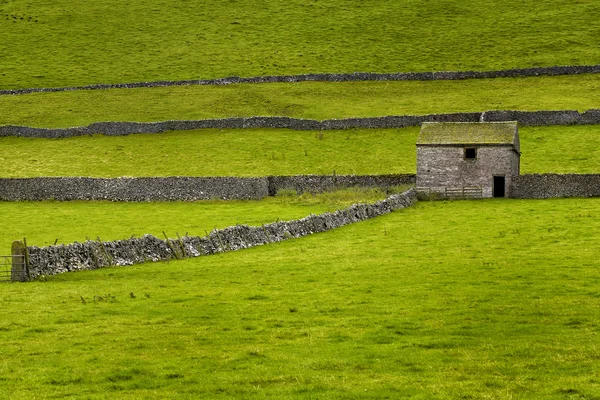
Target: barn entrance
{"type": "Point", "coordinates": [499, 188]}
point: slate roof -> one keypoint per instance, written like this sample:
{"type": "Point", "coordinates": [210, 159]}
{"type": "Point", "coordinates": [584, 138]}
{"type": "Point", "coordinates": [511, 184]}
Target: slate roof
{"type": "Point", "coordinates": [469, 133]}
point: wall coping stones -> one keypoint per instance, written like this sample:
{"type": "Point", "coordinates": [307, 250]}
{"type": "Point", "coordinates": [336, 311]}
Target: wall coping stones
{"type": "Point", "coordinates": [333, 77]}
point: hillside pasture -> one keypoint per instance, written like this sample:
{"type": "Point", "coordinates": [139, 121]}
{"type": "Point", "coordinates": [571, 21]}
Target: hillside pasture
{"type": "Point", "coordinates": [261, 152]}
{"type": "Point", "coordinates": [47, 222]}
{"type": "Point", "coordinates": [312, 100]}
{"type": "Point", "coordinates": [50, 43]}
{"type": "Point", "coordinates": [444, 300]}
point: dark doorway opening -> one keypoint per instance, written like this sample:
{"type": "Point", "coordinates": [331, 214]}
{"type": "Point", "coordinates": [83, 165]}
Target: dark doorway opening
{"type": "Point", "coordinates": [499, 188]}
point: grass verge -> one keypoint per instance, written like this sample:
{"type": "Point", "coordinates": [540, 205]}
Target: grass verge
{"type": "Point", "coordinates": [442, 300]}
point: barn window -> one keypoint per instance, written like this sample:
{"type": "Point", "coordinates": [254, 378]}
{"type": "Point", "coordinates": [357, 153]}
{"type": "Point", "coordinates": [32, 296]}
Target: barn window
{"type": "Point", "coordinates": [470, 153]}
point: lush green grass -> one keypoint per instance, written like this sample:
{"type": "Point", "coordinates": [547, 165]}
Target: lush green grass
{"type": "Point", "coordinates": [52, 43]}
{"type": "Point", "coordinates": [212, 152]}
{"type": "Point", "coordinates": [315, 100]}
{"type": "Point", "coordinates": [471, 299]}
{"type": "Point", "coordinates": [260, 152]}
{"type": "Point", "coordinates": [44, 223]}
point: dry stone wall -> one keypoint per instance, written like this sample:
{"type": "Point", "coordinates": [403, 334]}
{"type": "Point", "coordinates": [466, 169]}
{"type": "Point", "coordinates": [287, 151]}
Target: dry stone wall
{"type": "Point", "coordinates": [356, 76]}
{"type": "Point", "coordinates": [183, 188]}
{"type": "Point", "coordinates": [53, 260]}
{"type": "Point", "coordinates": [542, 186]}
{"type": "Point", "coordinates": [524, 118]}
{"type": "Point", "coordinates": [326, 183]}
{"type": "Point", "coordinates": [232, 188]}
{"type": "Point", "coordinates": [133, 189]}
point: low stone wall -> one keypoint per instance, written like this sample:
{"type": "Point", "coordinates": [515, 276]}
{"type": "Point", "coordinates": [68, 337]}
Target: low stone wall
{"type": "Point", "coordinates": [356, 76]}
{"type": "Point", "coordinates": [182, 188]}
{"type": "Point", "coordinates": [133, 189]}
{"type": "Point", "coordinates": [525, 118]}
{"type": "Point", "coordinates": [96, 254]}
{"type": "Point", "coordinates": [542, 186]}
{"type": "Point", "coordinates": [326, 183]}
{"type": "Point", "coordinates": [543, 118]}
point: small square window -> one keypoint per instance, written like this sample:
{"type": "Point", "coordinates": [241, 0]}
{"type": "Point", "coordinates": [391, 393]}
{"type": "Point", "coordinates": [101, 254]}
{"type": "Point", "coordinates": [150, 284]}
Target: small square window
{"type": "Point", "coordinates": [470, 153]}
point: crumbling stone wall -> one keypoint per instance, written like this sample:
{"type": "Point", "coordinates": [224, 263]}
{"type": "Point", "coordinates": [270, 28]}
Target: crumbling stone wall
{"type": "Point", "coordinates": [542, 186]}
{"type": "Point", "coordinates": [182, 188]}
{"type": "Point", "coordinates": [96, 254]}
{"type": "Point", "coordinates": [356, 76]}
{"type": "Point", "coordinates": [524, 118]}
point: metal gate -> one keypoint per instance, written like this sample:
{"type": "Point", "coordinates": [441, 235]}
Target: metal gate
{"type": "Point", "coordinates": [5, 268]}
{"type": "Point", "coordinates": [14, 267]}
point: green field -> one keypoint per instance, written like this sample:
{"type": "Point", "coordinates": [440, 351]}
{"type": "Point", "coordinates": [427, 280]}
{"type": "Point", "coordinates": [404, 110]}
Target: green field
{"type": "Point", "coordinates": [51, 43]}
{"type": "Point", "coordinates": [490, 299]}
{"type": "Point", "coordinates": [261, 152]}
{"type": "Point", "coordinates": [44, 223]}
{"type": "Point", "coordinates": [445, 300]}
{"type": "Point", "coordinates": [314, 100]}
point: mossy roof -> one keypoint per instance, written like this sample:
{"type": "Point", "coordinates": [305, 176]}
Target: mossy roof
{"type": "Point", "coordinates": [457, 133]}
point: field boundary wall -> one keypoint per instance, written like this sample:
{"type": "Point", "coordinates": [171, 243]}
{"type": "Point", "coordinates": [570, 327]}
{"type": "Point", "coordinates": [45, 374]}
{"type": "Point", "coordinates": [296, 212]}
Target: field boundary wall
{"type": "Point", "coordinates": [528, 186]}
{"type": "Point", "coordinates": [183, 188]}
{"type": "Point", "coordinates": [332, 77]}
{"type": "Point", "coordinates": [543, 186]}
{"type": "Point", "coordinates": [88, 255]}
{"type": "Point", "coordinates": [524, 118]}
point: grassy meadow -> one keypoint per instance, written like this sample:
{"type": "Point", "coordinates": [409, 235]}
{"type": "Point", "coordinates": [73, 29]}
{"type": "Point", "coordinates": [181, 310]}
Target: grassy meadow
{"type": "Point", "coordinates": [493, 299]}
{"type": "Point", "coordinates": [51, 43]}
{"type": "Point", "coordinates": [261, 152]}
{"type": "Point", "coordinates": [313, 100]}
{"type": "Point", "coordinates": [47, 222]}
{"type": "Point", "coordinates": [444, 300]}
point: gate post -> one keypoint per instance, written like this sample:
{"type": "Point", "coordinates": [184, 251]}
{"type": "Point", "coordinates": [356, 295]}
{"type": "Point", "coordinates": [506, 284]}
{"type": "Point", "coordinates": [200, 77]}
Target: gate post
{"type": "Point", "coordinates": [19, 268]}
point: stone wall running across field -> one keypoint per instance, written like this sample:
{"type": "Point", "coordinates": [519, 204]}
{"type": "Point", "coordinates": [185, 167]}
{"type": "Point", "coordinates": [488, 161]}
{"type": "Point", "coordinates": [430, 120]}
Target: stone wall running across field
{"type": "Point", "coordinates": [352, 77]}
{"type": "Point", "coordinates": [231, 188]}
{"type": "Point", "coordinates": [96, 254]}
{"type": "Point", "coordinates": [524, 118]}
{"type": "Point", "coordinates": [542, 186]}
{"type": "Point", "coordinates": [183, 188]}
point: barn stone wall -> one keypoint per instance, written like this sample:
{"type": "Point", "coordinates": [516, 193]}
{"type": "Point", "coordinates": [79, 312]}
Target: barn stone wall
{"type": "Point", "coordinates": [445, 166]}
{"type": "Point", "coordinates": [96, 254]}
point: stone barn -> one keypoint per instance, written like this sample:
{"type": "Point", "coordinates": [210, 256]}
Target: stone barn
{"type": "Point", "coordinates": [467, 159]}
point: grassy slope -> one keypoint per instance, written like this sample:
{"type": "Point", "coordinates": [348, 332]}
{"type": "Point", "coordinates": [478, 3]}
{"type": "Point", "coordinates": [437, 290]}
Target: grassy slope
{"type": "Point", "coordinates": [52, 43]}
{"type": "Point", "coordinates": [260, 152]}
{"type": "Point", "coordinates": [303, 100]}
{"type": "Point", "coordinates": [485, 299]}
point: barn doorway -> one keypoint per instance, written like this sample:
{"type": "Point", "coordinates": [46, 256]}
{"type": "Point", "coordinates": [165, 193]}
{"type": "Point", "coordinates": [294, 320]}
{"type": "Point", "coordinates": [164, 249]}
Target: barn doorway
{"type": "Point", "coordinates": [499, 188]}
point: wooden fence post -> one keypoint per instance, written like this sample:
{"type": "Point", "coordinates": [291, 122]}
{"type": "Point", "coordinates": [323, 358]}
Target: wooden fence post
{"type": "Point", "coordinates": [19, 269]}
